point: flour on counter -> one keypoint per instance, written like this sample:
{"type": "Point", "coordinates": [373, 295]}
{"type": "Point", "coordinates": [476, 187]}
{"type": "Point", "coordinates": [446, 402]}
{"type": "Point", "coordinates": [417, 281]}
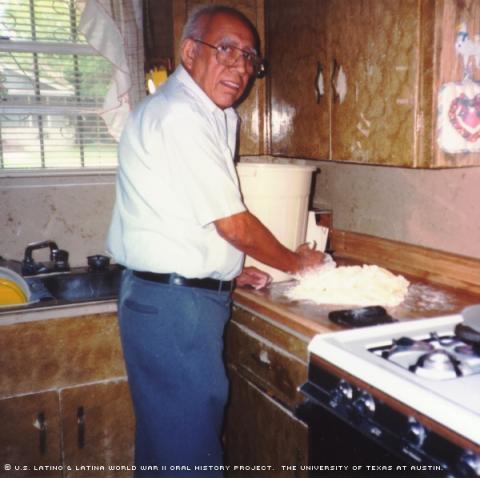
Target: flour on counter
{"type": "Point", "coordinates": [422, 297]}
{"type": "Point", "coordinates": [351, 285]}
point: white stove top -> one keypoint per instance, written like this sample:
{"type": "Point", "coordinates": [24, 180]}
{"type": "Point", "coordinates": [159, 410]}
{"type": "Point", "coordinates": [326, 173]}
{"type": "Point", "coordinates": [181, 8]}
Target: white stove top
{"type": "Point", "coordinates": [452, 402]}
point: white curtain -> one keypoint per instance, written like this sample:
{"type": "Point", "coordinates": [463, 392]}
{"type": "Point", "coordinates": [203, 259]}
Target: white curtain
{"type": "Point", "coordinates": [115, 30]}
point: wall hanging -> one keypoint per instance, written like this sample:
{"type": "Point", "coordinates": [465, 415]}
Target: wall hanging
{"type": "Point", "coordinates": [459, 102]}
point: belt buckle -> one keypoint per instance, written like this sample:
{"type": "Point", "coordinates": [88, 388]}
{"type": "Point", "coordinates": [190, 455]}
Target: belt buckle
{"type": "Point", "coordinates": [175, 279]}
{"type": "Point", "coordinates": [222, 282]}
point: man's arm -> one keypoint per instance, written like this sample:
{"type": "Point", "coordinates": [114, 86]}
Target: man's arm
{"type": "Point", "coordinates": [247, 233]}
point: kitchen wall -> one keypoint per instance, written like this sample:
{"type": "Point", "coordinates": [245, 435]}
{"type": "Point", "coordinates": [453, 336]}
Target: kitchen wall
{"type": "Point", "coordinates": [433, 208]}
{"type": "Point", "coordinates": [72, 210]}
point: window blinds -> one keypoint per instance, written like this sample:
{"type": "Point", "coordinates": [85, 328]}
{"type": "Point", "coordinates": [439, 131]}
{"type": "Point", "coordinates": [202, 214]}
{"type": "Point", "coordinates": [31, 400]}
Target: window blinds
{"type": "Point", "coordinates": [52, 88]}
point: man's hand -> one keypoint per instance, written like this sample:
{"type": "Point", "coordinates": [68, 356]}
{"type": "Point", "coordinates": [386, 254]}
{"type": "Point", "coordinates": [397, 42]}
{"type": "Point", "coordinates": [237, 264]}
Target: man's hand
{"type": "Point", "coordinates": [310, 258]}
{"type": "Point", "coordinates": [251, 276]}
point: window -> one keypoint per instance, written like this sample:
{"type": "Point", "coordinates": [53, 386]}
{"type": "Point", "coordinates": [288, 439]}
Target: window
{"type": "Point", "coordinates": [52, 88]}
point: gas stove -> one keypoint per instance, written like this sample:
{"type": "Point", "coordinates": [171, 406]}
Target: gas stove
{"type": "Point", "coordinates": [413, 387]}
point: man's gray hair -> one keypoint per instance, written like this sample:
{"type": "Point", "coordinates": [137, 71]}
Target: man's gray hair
{"type": "Point", "coordinates": [197, 21]}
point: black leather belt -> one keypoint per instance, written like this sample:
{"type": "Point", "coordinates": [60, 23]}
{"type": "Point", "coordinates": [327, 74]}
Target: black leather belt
{"type": "Point", "coordinates": [175, 279]}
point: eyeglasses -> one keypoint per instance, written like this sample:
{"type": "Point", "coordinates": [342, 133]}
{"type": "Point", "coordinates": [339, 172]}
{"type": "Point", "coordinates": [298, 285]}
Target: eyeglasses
{"type": "Point", "coordinates": [228, 55]}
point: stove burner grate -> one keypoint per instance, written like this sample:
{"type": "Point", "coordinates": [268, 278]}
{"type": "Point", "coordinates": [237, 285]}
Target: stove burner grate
{"type": "Point", "coordinates": [407, 344]}
{"type": "Point", "coordinates": [434, 357]}
{"type": "Point", "coordinates": [437, 362]}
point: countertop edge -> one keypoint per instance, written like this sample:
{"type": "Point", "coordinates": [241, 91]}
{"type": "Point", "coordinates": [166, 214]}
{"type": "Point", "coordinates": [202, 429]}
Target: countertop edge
{"type": "Point", "coordinates": [58, 312]}
{"type": "Point", "coordinates": [303, 327]}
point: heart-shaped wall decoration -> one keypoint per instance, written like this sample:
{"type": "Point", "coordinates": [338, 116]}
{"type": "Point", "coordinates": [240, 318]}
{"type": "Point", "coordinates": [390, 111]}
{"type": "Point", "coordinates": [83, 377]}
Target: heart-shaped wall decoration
{"type": "Point", "coordinates": [464, 115]}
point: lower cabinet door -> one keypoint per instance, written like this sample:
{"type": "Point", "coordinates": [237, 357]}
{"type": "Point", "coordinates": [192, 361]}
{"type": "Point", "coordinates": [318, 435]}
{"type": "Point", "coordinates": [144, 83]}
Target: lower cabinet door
{"type": "Point", "coordinates": [261, 433]}
{"type": "Point", "coordinates": [30, 436]}
{"type": "Point", "coordinates": [98, 428]}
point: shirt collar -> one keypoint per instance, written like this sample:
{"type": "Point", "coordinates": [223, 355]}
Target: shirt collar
{"type": "Point", "coordinates": [182, 75]}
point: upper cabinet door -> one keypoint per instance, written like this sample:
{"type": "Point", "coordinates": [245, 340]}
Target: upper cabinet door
{"type": "Point", "coordinates": [298, 72]}
{"type": "Point", "coordinates": [373, 46]}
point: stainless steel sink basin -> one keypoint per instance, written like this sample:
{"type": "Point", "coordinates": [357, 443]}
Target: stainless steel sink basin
{"type": "Point", "coordinates": [83, 285]}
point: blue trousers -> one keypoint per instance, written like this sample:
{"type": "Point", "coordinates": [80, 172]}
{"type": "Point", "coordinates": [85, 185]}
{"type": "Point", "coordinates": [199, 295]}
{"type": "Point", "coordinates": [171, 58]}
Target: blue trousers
{"type": "Point", "coordinates": [172, 339]}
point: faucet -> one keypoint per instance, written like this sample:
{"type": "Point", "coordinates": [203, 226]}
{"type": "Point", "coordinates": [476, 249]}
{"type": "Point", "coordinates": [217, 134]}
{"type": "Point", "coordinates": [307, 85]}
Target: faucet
{"type": "Point", "coordinates": [58, 259]}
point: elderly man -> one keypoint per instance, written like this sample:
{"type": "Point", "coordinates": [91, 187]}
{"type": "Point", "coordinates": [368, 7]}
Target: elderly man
{"type": "Point", "coordinates": [181, 229]}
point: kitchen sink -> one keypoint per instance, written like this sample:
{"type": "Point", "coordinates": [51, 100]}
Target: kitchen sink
{"type": "Point", "coordinates": [80, 285]}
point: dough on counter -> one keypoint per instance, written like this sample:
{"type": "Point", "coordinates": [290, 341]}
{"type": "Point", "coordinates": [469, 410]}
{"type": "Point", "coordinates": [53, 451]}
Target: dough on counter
{"type": "Point", "coordinates": [351, 285]}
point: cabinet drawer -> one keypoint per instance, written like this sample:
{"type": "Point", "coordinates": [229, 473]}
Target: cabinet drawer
{"type": "Point", "coordinates": [274, 370]}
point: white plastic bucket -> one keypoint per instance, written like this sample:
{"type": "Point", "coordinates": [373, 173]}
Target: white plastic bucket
{"type": "Point", "coordinates": [278, 195]}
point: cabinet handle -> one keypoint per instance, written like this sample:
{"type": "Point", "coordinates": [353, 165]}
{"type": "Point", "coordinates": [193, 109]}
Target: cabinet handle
{"type": "Point", "coordinates": [339, 82]}
{"type": "Point", "coordinates": [81, 427]}
{"type": "Point", "coordinates": [335, 71]}
{"type": "Point", "coordinates": [319, 83]}
{"type": "Point", "coordinates": [261, 358]}
{"type": "Point", "coordinates": [41, 424]}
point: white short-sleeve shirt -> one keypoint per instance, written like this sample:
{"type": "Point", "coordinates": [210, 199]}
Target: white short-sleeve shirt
{"type": "Point", "coordinates": [176, 176]}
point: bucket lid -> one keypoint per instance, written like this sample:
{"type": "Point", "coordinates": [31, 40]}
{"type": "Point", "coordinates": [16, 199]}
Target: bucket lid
{"type": "Point", "coordinates": [252, 169]}
{"type": "Point", "coordinates": [300, 167]}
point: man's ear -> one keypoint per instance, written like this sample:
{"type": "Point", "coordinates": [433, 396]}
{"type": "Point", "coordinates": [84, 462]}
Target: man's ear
{"type": "Point", "coordinates": [188, 53]}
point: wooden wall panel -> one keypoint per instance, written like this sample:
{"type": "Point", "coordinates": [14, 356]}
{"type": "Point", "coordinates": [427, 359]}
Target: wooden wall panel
{"type": "Point", "coordinates": [158, 32]}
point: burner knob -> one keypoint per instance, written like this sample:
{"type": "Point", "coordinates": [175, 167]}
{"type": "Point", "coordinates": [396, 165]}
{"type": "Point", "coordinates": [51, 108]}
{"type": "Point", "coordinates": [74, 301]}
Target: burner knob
{"type": "Point", "coordinates": [364, 404]}
{"type": "Point", "coordinates": [470, 464]}
{"type": "Point", "coordinates": [342, 392]}
{"type": "Point", "coordinates": [416, 432]}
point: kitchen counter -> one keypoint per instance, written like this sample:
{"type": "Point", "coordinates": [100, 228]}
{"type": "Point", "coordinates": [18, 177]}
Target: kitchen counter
{"type": "Point", "coordinates": [423, 300]}
{"type": "Point", "coordinates": [14, 315]}
{"type": "Point", "coordinates": [441, 284]}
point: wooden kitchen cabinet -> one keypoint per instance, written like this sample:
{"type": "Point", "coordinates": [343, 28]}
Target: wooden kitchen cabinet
{"type": "Point", "coordinates": [265, 366]}
{"type": "Point", "coordinates": [262, 432]}
{"type": "Point", "coordinates": [64, 398]}
{"type": "Point", "coordinates": [383, 63]}
{"type": "Point", "coordinates": [30, 435]}
{"type": "Point", "coordinates": [97, 425]}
